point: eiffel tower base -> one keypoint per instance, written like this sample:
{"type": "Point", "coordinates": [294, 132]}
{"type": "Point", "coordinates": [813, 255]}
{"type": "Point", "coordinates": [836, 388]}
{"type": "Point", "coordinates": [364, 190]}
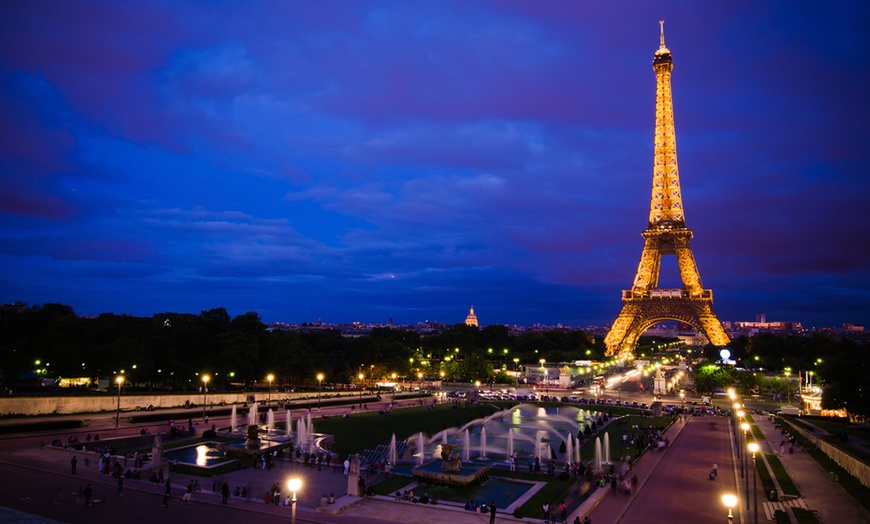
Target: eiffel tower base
{"type": "Point", "coordinates": [641, 313]}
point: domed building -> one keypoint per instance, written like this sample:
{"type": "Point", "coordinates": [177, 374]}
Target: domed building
{"type": "Point", "coordinates": [471, 319]}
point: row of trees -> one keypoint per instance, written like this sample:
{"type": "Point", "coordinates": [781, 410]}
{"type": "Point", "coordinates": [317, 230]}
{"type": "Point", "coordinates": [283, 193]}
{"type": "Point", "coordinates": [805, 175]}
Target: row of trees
{"type": "Point", "coordinates": [172, 350]}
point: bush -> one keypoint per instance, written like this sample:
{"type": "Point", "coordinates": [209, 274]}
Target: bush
{"type": "Point", "coordinates": [209, 433]}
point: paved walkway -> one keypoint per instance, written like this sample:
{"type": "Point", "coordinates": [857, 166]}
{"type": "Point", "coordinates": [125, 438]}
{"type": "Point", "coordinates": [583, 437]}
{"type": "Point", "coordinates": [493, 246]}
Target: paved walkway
{"type": "Point", "coordinates": [832, 503]}
{"type": "Point", "coordinates": [674, 486]}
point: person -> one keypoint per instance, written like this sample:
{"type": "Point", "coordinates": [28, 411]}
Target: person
{"type": "Point", "coordinates": [546, 510]}
{"type": "Point", "coordinates": [563, 512]}
{"type": "Point", "coordinates": [323, 500]}
{"type": "Point", "coordinates": [332, 498]}
{"type": "Point", "coordinates": [346, 466]}
{"type": "Point", "coordinates": [492, 512]}
{"type": "Point", "coordinates": [715, 470]}
{"type": "Point", "coordinates": [188, 492]}
{"type": "Point", "coordinates": [87, 493]}
{"type": "Point", "coordinates": [72, 462]}
{"type": "Point", "coordinates": [577, 520]}
{"type": "Point", "coordinates": [225, 492]}
{"type": "Point", "coordinates": [587, 520]}
{"type": "Point", "coordinates": [121, 485]}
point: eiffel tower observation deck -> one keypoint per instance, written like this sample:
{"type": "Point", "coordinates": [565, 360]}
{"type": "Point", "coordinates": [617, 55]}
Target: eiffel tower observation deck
{"type": "Point", "coordinates": [645, 305]}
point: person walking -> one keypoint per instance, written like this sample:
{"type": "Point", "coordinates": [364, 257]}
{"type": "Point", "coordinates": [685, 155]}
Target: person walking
{"type": "Point", "coordinates": [492, 512]}
{"type": "Point", "coordinates": [72, 462]}
{"type": "Point", "coordinates": [715, 470]}
{"type": "Point", "coordinates": [87, 493]}
{"type": "Point", "coordinates": [188, 492]}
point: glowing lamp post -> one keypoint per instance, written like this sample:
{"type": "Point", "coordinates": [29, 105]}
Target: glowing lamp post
{"type": "Point", "coordinates": [205, 379]}
{"type": "Point", "coordinates": [319, 388]}
{"type": "Point", "coordinates": [753, 448]}
{"type": "Point", "coordinates": [420, 381]}
{"type": "Point", "coordinates": [730, 501]}
{"type": "Point", "coordinates": [119, 380]}
{"type": "Point", "coordinates": [270, 378]}
{"type": "Point", "coordinates": [745, 428]}
{"type": "Point", "coordinates": [294, 484]}
{"type": "Point", "coordinates": [361, 387]}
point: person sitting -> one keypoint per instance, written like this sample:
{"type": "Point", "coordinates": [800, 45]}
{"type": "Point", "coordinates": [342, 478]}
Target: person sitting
{"type": "Point", "coordinates": [424, 499]}
{"type": "Point", "coordinates": [332, 498]}
{"type": "Point", "coordinates": [323, 500]}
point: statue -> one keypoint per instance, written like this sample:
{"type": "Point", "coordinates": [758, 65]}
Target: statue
{"type": "Point", "coordinates": [445, 451]}
{"type": "Point", "coordinates": [453, 464]}
{"type": "Point", "coordinates": [157, 450]}
{"type": "Point", "coordinates": [253, 440]}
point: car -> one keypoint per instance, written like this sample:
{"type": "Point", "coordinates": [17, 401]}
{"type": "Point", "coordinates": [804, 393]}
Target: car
{"type": "Point", "coordinates": [609, 402]}
{"type": "Point", "coordinates": [600, 402]}
{"type": "Point", "coordinates": [643, 406]}
{"type": "Point", "coordinates": [574, 399]}
{"type": "Point", "coordinates": [564, 399]}
{"type": "Point", "coordinates": [634, 404]}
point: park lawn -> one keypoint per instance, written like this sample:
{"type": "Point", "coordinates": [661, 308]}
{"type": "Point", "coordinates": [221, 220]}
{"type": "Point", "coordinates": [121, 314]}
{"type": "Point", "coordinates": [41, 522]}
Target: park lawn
{"type": "Point", "coordinates": [785, 482]}
{"type": "Point", "coordinates": [362, 431]}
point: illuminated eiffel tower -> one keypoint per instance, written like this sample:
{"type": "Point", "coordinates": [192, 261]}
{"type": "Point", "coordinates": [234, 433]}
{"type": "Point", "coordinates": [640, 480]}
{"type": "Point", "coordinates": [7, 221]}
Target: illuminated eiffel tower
{"type": "Point", "coordinates": [645, 305]}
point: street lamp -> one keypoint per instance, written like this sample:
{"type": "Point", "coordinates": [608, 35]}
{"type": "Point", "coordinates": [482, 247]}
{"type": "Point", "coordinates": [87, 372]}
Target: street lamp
{"type": "Point", "coordinates": [270, 378]}
{"type": "Point", "coordinates": [787, 372]}
{"type": "Point", "coordinates": [361, 387]}
{"type": "Point", "coordinates": [420, 381]}
{"type": "Point", "coordinates": [745, 428]}
{"type": "Point", "coordinates": [753, 447]}
{"type": "Point", "coordinates": [319, 388]}
{"type": "Point", "coordinates": [120, 380]}
{"type": "Point", "coordinates": [730, 501]}
{"type": "Point", "coordinates": [294, 484]}
{"type": "Point", "coordinates": [204, 393]}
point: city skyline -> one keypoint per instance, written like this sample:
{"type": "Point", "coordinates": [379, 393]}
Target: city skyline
{"type": "Point", "coordinates": [368, 161]}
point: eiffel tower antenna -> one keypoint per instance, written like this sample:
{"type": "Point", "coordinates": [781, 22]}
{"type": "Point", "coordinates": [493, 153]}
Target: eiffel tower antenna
{"type": "Point", "coordinates": [645, 305]}
{"type": "Point", "coordinates": [662, 38]}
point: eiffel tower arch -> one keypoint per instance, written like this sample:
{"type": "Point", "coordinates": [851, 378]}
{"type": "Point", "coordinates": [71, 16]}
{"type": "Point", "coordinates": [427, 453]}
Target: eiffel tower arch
{"type": "Point", "coordinates": [645, 305]}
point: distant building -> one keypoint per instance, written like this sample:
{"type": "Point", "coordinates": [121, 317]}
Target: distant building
{"type": "Point", "coordinates": [471, 319]}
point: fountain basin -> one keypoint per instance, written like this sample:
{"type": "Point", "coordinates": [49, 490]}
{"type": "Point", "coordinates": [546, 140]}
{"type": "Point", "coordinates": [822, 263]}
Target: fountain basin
{"type": "Point", "coordinates": [468, 473]}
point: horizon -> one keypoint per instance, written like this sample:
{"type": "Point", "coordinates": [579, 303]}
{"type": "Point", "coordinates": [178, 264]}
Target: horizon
{"type": "Point", "coordinates": [397, 159]}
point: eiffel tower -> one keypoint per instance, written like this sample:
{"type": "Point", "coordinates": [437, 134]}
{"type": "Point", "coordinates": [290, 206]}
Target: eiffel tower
{"type": "Point", "coordinates": [645, 305]}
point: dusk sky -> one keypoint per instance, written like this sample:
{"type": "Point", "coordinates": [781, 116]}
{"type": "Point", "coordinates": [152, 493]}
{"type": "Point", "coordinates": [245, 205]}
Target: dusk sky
{"type": "Point", "coordinates": [360, 161]}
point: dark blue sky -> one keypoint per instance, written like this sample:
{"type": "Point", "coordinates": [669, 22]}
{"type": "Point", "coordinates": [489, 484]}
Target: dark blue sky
{"type": "Point", "coordinates": [372, 160]}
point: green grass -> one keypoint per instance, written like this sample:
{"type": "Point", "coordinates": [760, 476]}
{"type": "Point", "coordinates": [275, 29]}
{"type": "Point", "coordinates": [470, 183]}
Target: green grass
{"type": "Point", "coordinates": [362, 431]}
{"type": "Point", "coordinates": [785, 482]}
{"type": "Point", "coordinates": [804, 516]}
{"type": "Point", "coordinates": [766, 481]}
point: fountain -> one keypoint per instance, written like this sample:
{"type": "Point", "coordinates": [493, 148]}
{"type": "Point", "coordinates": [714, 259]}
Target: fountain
{"type": "Point", "coordinates": [569, 453]}
{"type": "Point", "coordinates": [451, 470]}
{"type": "Point", "coordinates": [252, 415]}
{"type": "Point", "coordinates": [467, 445]}
{"type": "Point", "coordinates": [270, 421]}
{"type": "Point", "coordinates": [483, 442]}
{"type": "Point", "coordinates": [420, 448]}
{"type": "Point", "coordinates": [234, 425]}
{"type": "Point", "coordinates": [288, 426]}
{"type": "Point", "coordinates": [607, 448]}
{"type": "Point", "coordinates": [394, 457]}
{"type": "Point", "coordinates": [302, 435]}
{"type": "Point", "coordinates": [510, 448]}
{"type": "Point", "coordinates": [597, 462]}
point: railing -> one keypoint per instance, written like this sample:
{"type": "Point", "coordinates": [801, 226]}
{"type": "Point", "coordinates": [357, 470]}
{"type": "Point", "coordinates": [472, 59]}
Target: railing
{"type": "Point", "coordinates": [668, 294]}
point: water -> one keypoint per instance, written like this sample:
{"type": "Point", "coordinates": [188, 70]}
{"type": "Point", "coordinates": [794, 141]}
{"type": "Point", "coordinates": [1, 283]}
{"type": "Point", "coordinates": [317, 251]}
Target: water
{"type": "Point", "coordinates": [503, 492]}
{"type": "Point", "coordinates": [204, 455]}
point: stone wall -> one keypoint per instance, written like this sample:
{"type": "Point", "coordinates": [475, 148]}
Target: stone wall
{"type": "Point", "coordinates": [856, 467]}
{"type": "Point", "coordinates": [68, 405]}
